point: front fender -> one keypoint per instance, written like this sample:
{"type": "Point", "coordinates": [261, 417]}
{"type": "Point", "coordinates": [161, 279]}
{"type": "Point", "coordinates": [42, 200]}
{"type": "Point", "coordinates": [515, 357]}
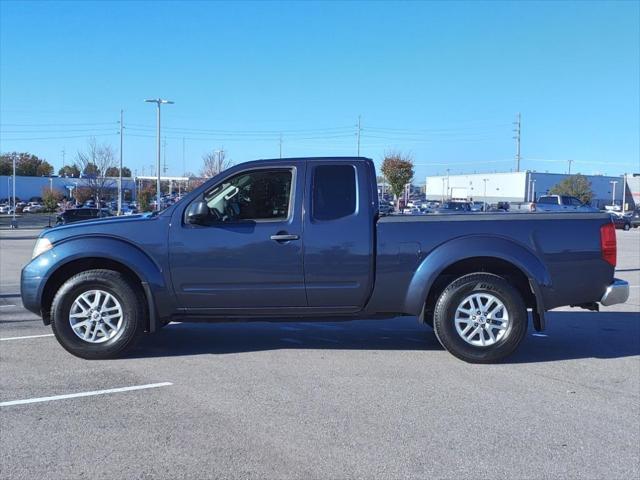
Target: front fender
{"type": "Point", "coordinates": [41, 270]}
{"type": "Point", "coordinates": [466, 247]}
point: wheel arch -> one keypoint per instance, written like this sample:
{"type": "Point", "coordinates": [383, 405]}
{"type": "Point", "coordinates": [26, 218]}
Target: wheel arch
{"type": "Point", "coordinates": [74, 257]}
{"type": "Point", "coordinates": [466, 255]}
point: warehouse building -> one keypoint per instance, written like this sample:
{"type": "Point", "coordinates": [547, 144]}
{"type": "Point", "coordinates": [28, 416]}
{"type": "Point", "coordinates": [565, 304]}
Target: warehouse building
{"type": "Point", "coordinates": [525, 187]}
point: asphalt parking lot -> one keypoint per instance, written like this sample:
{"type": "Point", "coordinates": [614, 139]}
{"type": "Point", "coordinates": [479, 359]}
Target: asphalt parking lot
{"type": "Point", "coordinates": [377, 399]}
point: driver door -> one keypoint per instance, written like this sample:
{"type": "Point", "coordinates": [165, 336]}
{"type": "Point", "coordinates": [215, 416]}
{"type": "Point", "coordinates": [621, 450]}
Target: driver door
{"type": "Point", "coordinates": [247, 258]}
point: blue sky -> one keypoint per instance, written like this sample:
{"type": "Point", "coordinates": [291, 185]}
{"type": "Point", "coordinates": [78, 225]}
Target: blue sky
{"type": "Point", "coordinates": [442, 81]}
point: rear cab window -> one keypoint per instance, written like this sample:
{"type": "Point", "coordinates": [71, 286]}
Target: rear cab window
{"type": "Point", "coordinates": [334, 192]}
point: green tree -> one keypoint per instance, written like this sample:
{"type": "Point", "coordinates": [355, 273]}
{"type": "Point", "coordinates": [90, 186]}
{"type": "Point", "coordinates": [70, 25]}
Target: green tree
{"type": "Point", "coordinates": [145, 197]}
{"type": "Point", "coordinates": [69, 171]}
{"type": "Point", "coordinates": [26, 164]}
{"type": "Point", "coordinates": [397, 168]}
{"type": "Point", "coordinates": [575, 186]}
{"type": "Point", "coordinates": [6, 166]}
{"type": "Point", "coordinates": [115, 171]}
{"type": "Point", "coordinates": [91, 170]}
{"type": "Point", "coordinates": [50, 199]}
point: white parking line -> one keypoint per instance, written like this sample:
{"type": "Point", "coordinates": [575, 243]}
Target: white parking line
{"type": "Point", "coordinates": [28, 336]}
{"type": "Point", "coordinates": [83, 394]}
{"type": "Point", "coordinates": [6, 306]}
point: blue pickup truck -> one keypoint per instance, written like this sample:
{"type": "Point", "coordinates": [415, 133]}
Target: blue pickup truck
{"type": "Point", "coordinates": [301, 239]}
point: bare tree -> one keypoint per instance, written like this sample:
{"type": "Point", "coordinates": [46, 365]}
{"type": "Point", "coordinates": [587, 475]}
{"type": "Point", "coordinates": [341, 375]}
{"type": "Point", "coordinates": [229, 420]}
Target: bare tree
{"type": "Point", "coordinates": [214, 162]}
{"type": "Point", "coordinates": [93, 164]}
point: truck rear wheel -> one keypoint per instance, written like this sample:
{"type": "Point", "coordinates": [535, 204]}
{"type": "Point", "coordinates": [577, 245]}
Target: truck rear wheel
{"type": "Point", "coordinates": [97, 314]}
{"type": "Point", "coordinates": [480, 318]}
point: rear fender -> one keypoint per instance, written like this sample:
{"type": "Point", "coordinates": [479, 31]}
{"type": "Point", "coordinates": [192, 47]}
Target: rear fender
{"type": "Point", "coordinates": [477, 246]}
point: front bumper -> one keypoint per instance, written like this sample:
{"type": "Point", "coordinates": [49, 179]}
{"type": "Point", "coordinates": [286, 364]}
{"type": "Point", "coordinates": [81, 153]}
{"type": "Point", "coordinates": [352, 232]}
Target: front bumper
{"type": "Point", "coordinates": [617, 292]}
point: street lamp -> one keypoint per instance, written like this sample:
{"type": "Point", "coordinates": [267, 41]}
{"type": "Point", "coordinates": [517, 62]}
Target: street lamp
{"type": "Point", "coordinates": [484, 207]}
{"type": "Point", "coordinates": [533, 190]}
{"type": "Point", "coordinates": [14, 222]}
{"type": "Point", "coordinates": [158, 102]}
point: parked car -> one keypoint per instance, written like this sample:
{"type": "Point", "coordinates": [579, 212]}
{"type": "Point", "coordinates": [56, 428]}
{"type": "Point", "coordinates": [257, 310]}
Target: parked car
{"type": "Point", "coordinates": [562, 203]}
{"type": "Point", "coordinates": [80, 214]}
{"type": "Point", "coordinates": [301, 239]}
{"type": "Point", "coordinates": [634, 218]}
{"type": "Point", "coordinates": [477, 206]}
{"type": "Point", "coordinates": [33, 207]}
{"type": "Point", "coordinates": [6, 209]}
{"type": "Point", "coordinates": [385, 209]}
{"type": "Point", "coordinates": [454, 207]}
{"type": "Point", "coordinates": [621, 222]}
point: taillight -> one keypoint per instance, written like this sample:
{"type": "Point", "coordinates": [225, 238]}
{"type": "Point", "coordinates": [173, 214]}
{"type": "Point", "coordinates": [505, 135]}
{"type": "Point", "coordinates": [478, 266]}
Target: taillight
{"type": "Point", "coordinates": [608, 245]}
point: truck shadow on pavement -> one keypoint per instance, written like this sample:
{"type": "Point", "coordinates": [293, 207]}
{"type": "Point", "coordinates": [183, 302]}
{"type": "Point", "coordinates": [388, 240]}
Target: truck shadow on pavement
{"type": "Point", "coordinates": [569, 335]}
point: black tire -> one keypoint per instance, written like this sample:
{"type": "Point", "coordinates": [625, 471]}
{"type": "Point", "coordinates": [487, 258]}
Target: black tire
{"type": "Point", "coordinates": [451, 298]}
{"type": "Point", "coordinates": [116, 284]}
{"type": "Point", "coordinates": [626, 227]}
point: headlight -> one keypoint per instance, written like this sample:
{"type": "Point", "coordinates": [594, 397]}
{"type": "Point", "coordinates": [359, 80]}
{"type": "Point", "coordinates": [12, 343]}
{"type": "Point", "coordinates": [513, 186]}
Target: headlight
{"type": "Point", "coordinates": [42, 245]}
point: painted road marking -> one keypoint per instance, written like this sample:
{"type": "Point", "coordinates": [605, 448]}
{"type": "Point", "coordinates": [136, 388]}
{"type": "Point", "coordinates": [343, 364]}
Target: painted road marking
{"type": "Point", "coordinates": [24, 338]}
{"type": "Point", "coordinates": [6, 306]}
{"type": "Point", "coordinates": [84, 394]}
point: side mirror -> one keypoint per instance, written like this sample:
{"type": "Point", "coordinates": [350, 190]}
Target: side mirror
{"type": "Point", "coordinates": [197, 212]}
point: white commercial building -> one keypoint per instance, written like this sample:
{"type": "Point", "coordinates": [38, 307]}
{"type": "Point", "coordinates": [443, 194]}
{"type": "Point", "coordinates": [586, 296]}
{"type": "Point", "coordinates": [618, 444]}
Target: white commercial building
{"type": "Point", "coordinates": [519, 187]}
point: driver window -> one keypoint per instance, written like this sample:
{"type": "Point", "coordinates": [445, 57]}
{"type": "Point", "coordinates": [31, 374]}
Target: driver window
{"type": "Point", "coordinates": [255, 195]}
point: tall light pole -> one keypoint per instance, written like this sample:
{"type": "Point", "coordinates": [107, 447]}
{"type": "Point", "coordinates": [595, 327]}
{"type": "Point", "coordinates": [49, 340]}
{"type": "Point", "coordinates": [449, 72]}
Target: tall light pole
{"type": "Point", "coordinates": [624, 191]}
{"type": "Point", "coordinates": [120, 169]}
{"type": "Point", "coordinates": [613, 192]}
{"type": "Point", "coordinates": [14, 222]}
{"type": "Point", "coordinates": [158, 102]}
{"type": "Point", "coordinates": [484, 200]}
{"type": "Point", "coordinates": [533, 190]}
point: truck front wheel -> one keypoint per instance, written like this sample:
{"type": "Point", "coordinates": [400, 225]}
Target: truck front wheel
{"type": "Point", "coordinates": [480, 318]}
{"type": "Point", "coordinates": [97, 314]}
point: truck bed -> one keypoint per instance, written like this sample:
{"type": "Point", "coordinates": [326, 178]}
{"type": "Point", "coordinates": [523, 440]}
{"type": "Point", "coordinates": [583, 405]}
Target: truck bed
{"type": "Point", "coordinates": [559, 251]}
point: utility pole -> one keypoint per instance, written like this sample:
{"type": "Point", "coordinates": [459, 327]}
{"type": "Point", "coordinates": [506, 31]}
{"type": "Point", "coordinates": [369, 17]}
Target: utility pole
{"type": "Point", "coordinates": [64, 153]}
{"type": "Point", "coordinates": [613, 192]}
{"type": "Point", "coordinates": [184, 167]}
{"type": "Point", "coordinates": [570, 162]}
{"type": "Point", "coordinates": [120, 169]}
{"type": "Point", "coordinates": [517, 123]}
{"type": "Point", "coordinates": [158, 102]}
{"type": "Point", "coordinates": [624, 191]}
{"type": "Point", "coordinates": [358, 134]}
{"type": "Point", "coordinates": [280, 145]}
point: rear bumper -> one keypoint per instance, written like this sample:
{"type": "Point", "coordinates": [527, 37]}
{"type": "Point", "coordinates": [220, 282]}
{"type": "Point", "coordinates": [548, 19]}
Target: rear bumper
{"type": "Point", "coordinates": [617, 292]}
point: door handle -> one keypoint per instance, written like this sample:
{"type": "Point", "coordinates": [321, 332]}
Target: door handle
{"type": "Point", "coordinates": [284, 237]}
